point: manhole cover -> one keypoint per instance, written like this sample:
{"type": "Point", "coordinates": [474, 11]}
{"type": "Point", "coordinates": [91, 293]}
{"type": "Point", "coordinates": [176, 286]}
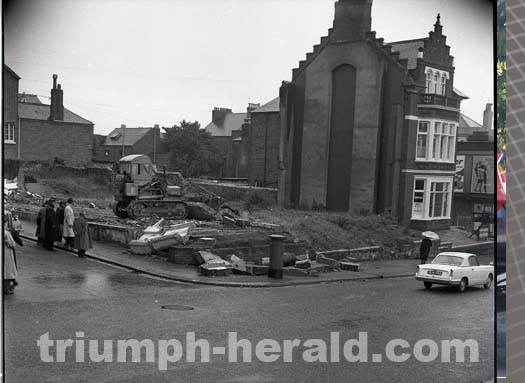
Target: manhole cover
{"type": "Point", "coordinates": [177, 307]}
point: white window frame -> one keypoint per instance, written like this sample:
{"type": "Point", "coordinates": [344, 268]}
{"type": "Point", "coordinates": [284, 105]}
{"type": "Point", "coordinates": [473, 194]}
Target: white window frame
{"type": "Point", "coordinates": [436, 81]}
{"type": "Point", "coordinates": [9, 128]}
{"type": "Point", "coordinates": [441, 140]}
{"type": "Point", "coordinates": [421, 133]}
{"type": "Point", "coordinates": [429, 196]}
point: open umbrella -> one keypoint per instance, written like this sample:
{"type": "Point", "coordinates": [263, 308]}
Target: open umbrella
{"type": "Point", "coordinates": [430, 235]}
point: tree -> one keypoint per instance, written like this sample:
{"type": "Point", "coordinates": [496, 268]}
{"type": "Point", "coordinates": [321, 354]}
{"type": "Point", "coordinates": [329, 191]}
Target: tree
{"type": "Point", "coordinates": [192, 152]}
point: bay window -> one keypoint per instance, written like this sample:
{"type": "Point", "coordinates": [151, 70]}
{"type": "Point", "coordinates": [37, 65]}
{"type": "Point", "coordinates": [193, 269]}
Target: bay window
{"type": "Point", "coordinates": [432, 197]}
{"type": "Point", "coordinates": [436, 80]}
{"type": "Point", "coordinates": [435, 141]}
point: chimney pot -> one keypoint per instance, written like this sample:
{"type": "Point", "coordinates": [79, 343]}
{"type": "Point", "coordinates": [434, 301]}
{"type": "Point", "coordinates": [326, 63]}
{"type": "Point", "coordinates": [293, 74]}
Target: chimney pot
{"type": "Point", "coordinates": [56, 109]}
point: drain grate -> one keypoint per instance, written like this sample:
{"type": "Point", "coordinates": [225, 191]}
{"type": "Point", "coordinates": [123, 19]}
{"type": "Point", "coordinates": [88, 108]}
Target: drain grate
{"type": "Point", "coordinates": [177, 307]}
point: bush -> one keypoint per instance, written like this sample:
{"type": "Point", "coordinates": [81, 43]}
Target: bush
{"type": "Point", "coordinates": [254, 199]}
{"type": "Point", "coordinates": [29, 179]}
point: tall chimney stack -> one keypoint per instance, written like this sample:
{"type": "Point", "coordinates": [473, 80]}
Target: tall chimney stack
{"type": "Point", "coordinates": [57, 101]}
{"type": "Point", "coordinates": [487, 118]}
{"type": "Point", "coordinates": [353, 19]}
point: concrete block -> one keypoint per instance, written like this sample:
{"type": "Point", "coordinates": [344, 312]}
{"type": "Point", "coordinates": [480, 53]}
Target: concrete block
{"type": "Point", "coordinates": [254, 269]}
{"type": "Point", "coordinates": [294, 271]}
{"type": "Point", "coordinates": [326, 260]}
{"type": "Point", "coordinates": [349, 266]}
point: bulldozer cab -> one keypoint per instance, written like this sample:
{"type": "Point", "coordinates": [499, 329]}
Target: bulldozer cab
{"type": "Point", "coordinates": [138, 168]}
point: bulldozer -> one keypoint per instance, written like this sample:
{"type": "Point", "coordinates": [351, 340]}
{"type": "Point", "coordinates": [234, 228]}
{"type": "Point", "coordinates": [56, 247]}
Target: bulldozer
{"type": "Point", "coordinates": [141, 191]}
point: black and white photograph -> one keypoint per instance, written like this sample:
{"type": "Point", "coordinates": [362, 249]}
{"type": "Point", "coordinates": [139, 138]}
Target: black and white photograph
{"type": "Point", "coordinates": [251, 191]}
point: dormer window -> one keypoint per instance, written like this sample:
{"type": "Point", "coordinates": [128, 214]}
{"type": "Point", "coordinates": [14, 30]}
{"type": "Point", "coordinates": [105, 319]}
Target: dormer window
{"type": "Point", "coordinates": [436, 81]}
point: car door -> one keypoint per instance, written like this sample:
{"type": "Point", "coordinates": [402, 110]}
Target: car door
{"type": "Point", "coordinates": [475, 271]}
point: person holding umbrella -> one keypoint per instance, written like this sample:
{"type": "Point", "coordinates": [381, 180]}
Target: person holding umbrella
{"type": "Point", "coordinates": [426, 245]}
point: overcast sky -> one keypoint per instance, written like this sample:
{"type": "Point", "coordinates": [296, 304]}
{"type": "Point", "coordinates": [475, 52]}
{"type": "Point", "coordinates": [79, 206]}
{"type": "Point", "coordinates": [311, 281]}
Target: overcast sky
{"type": "Point", "coordinates": [140, 63]}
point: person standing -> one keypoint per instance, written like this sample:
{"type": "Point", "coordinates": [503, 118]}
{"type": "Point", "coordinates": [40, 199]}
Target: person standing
{"type": "Point", "coordinates": [60, 220]}
{"type": "Point", "coordinates": [41, 224]}
{"type": "Point", "coordinates": [424, 249]}
{"type": "Point", "coordinates": [82, 237]}
{"type": "Point", "coordinates": [10, 271]}
{"type": "Point", "coordinates": [50, 225]}
{"type": "Point", "coordinates": [69, 219]}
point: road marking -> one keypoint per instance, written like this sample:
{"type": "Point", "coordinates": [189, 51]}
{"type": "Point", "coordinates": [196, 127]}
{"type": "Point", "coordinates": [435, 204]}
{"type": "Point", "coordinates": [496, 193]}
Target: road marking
{"type": "Point", "coordinates": [377, 358]}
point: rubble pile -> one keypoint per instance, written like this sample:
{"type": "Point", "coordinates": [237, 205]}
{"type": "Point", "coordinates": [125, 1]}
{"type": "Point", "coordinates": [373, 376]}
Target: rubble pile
{"type": "Point", "coordinates": [161, 236]}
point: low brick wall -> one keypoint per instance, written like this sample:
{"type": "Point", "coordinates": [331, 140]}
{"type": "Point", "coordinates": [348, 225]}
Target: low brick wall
{"type": "Point", "coordinates": [112, 233]}
{"type": "Point", "coordinates": [481, 248]}
{"type": "Point", "coordinates": [185, 255]}
{"type": "Point", "coordinates": [232, 192]}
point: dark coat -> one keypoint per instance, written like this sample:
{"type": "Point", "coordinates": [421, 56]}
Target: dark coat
{"type": "Point", "coordinates": [50, 230]}
{"type": "Point", "coordinates": [82, 238]}
{"type": "Point", "coordinates": [60, 222]}
{"type": "Point", "coordinates": [424, 249]}
{"type": "Point", "coordinates": [41, 222]}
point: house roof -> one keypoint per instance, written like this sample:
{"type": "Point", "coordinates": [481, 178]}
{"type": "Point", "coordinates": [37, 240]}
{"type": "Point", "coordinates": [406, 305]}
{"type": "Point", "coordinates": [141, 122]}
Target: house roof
{"type": "Point", "coordinates": [136, 158]}
{"type": "Point", "coordinates": [408, 49]}
{"type": "Point", "coordinates": [467, 122]}
{"type": "Point", "coordinates": [11, 72]}
{"type": "Point", "coordinates": [272, 106]}
{"type": "Point", "coordinates": [231, 122]}
{"type": "Point", "coordinates": [459, 93]}
{"type": "Point", "coordinates": [126, 136]}
{"type": "Point", "coordinates": [29, 98]}
{"type": "Point", "coordinates": [39, 111]}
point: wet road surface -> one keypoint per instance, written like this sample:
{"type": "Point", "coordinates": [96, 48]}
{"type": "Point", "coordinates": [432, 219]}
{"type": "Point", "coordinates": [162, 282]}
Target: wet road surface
{"type": "Point", "coordinates": [62, 295]}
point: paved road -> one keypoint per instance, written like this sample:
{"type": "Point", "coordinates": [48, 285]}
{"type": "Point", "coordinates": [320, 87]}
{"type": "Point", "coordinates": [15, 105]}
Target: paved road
{"type": "Point", "coordinates": [61, 294]}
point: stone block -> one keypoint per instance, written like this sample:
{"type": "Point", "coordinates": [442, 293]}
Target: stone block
{"type": "Point", "coordinates": [350, 266]}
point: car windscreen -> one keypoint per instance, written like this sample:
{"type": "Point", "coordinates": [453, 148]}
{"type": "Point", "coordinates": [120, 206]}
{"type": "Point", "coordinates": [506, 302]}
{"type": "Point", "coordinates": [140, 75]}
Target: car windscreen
{"type": "Point", "coordinates": [448, 260]}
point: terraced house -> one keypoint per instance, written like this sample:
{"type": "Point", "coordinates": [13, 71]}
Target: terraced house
{"type": "Point", "coordinates": [369, 126]}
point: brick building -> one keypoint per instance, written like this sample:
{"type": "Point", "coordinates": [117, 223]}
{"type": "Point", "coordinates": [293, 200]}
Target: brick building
{"type": "Point", "coordinates": [124, 141]}
{"type": "Point", "coordinates": [265, 128]}
{"type": "Point", "coordinates": [51, 131]}
{"type": "Point", "coordinates": [10, 113]}
{"type": "Point", "coordinates": [229, 133]}
{"type": "Point", "coordinates": [369, 126]}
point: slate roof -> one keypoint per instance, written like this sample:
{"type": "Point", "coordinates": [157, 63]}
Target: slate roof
{"type": "Point", "coordinates": [408, 49]}
{"type": "Point", "coordinates": [272, 106]}
{"type": "Point", "coordinates": [467, 122]}
{"type": "Point", "coordinates": [41, 111]}
{"type": "Point", "coordinates": [29, 98]}
{"type": "Point", "coordinates": [231, 121]}
{"type": "Point", "coordinates": [459, 93]}
{"type": "Point", "coordinates": [130, 136]}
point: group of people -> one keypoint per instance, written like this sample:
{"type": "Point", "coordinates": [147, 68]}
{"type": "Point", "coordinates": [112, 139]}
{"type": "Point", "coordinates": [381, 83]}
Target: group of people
{"type": "Point", "coordinates": [55, 223]}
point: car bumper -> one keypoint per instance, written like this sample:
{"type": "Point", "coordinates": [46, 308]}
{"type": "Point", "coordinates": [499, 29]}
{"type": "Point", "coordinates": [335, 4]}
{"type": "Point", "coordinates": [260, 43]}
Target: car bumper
{"type": "Point", "coordinates": [438, 281]}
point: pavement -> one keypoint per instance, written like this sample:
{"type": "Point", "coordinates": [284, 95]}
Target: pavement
{"type": "Point", "coordinates": [68, 297]}
{"type": "Point", "coordinates": [159, 267]}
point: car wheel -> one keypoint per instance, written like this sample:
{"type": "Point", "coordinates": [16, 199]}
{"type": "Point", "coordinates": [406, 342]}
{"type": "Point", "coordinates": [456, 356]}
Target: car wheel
{"type": "Point", "coordinates": [428, 285]}
{"type": "Point", "coordinates": [489, 282]}
{"type": "Point", "coordinates": [462, 285]}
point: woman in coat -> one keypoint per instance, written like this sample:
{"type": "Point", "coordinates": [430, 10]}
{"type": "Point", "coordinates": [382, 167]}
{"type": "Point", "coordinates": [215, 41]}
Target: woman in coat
{"type": "Point", "coordinates": [50, 229]}
{"type": "Point", "coordinates": [10, 271]}
{"type": "Point", "coordinates": [82, 240]}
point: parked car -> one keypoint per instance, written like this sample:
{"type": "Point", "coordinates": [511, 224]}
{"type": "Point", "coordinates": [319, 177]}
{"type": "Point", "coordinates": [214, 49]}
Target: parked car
{"type": "Point", "coordinates": [455, 269]}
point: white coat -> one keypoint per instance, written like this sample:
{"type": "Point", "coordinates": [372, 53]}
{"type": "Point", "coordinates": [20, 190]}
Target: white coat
{"type": "Point", "coordinates": [10, 271]}
{"type": "Point", "coordinates": [69, 219]}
